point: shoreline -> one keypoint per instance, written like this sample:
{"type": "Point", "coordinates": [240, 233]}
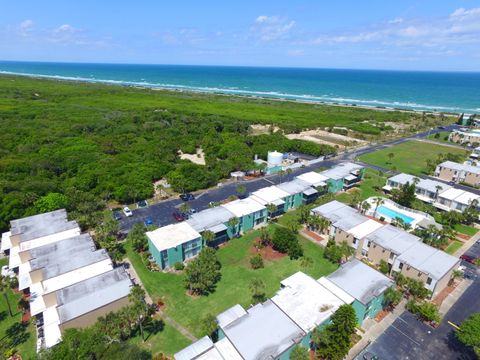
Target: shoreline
{"type": "Point", "coordinates": [232, 93]}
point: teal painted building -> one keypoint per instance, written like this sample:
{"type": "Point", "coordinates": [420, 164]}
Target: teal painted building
{"type": "Point", "coordinates": [365, 285]}
{"type": "Point", "coordinates": [250, 214]}
{"type": "Point", "coordinates": [174, 243]}
{"type": "Point", "coordinates": [343, 176]}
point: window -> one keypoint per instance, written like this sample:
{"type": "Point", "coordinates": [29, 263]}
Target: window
{"type": "Point", "coordinates": [419, 274]}
{"type": "Point", "coordinates": [383, 251]}
{"type": "Point", "coordinates": [429, 281]}
{"type": "Point", "coordinates": [391, 256]}
{"type": "Point", "coordinates": [400, 266]}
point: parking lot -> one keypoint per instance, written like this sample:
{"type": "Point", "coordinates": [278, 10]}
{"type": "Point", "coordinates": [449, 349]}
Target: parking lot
{"type": "Point", "coordinates": [408, 338]}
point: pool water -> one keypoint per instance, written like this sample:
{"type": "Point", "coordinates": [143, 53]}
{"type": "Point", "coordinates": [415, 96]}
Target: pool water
{"type": "Point", "coordinates": [392, 214]}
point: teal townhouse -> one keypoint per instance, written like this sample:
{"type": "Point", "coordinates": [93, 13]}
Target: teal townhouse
{"type": "Point", "coordinates": [316, 181]}
{"type": "Point", "coordinates": [174, 243]}
{"type": "Point", "coordinates": [250, 214]}
{"type": "Point", "coordinates": [343, 176]}
{"type": "Point", "coordinates": [300, 192]}
{"type": "Point", "coordinates": [218, 220]}
{"type": "Point", "coordinates": [364, 284]}
{"type": "Point", "coordinates": [276, 196]}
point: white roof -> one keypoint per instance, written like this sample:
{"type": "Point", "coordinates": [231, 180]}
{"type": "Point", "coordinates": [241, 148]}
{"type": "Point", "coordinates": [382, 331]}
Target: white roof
{"type": "Point", "coordinates": [460, 167]}
{"type": "Point", "coordinates": [77, 275]}
{"type": "Point", "coordinates": [230, 315]}
{"type": "Point", "coordinates": [6, 242]}
{"type": "Point", "coordinates": [451, 194]}
{"type": "Point", "coordinates": [171, 236]}
{"type": "Point", "coordinates": [227, 350]}
{"type": "Point", "coordinates": [243, 207]}
{"type": "Point", "coordinates": [269, 194]}
{"type": "Point", "coordinates": [313, 178]}
{"type": "Point", "coordinates": [340, 293]}
{"type": "Point", "coordinates": [52, 334]}
{"type": "Point", "coordinates": [37, 304]}
{"type": "Point", "coordinates": [306, 301]}
{"type": "Point", "coordinates": [197, 348]}
{"type": "Point", "coordinates": [50, 239]}
{"type": "Point", "coordinates": [14, 257]}
{"type": "Point", "coordinates": [428, 260]}
{"type": "Point", "coordinates": [466, 198]}
{"type": "Point", "coordinates": [365, 228]}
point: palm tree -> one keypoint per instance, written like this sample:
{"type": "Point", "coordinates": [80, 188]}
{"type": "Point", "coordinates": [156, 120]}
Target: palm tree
{"type": "Point", "coordinates": [323, 225]}
{"type": "Point", "coordinates": [347, 250]}
{"type": "Point", "coordinates": [241, 189]}
{"type": "Point", "coordinates": [233, 223]}
{"type": "Point", "coordinates": [378, 201]}
{"type": "Point", "coordinates": [437, 191]}
{"type": "Point", "coordinates": [185, 208]}
{"type": "Point", "coordinates": [272, 209]}
{"type": "Point", "coordinates": [281, 173]}
{"type": "Point", "coordinates": [208, 236]}
{"type": "Point", "coordinates": [264, 236]}
{"type": "Point", "coordinates": [4, 285]}
{"type": "Point", "coordinates": [391, 156]}
{"type": "Point", "coordinates": [365, 206]}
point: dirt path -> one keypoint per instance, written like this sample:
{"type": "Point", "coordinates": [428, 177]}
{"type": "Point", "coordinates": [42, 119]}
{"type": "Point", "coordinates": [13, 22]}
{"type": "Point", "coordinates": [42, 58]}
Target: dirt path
{"type": "Point", "coordinates": [165, 317]}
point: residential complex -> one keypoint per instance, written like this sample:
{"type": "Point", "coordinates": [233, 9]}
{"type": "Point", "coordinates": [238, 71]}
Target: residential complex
{"type": "Point", "coordinates": [179, 242]}
{"type": "Point", "coordinates": [69, 282]}
{"type": "Point", "coordinates": [465, 136]}
{"type": "Point", "coordinates": [272, 329]}
{"type": "Point", "coordinates": [439, 194]}
{"type": "Point", "coordinates": [403, 252]}
{"type": "Point", "coordinates": [458, 173]}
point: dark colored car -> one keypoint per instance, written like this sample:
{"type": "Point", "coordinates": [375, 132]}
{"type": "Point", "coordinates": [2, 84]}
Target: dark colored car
{"type": "Point", "coordinates": [468, 258]}
{"type": "Point", "coordinates": [148, 221]}
{"type": "Point", "coordinates": [116, 216]}
{"type": "Point", "coordinates": [142, 204]}
{"type": "Point", "coordinates": [369, 356]}
{"type": "Point", "coordinates": [187, 197]}
{"type": "Point", "coordinates": [178, 216]}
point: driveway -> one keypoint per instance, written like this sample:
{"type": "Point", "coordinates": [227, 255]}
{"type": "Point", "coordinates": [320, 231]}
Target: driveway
{"type": "Point", "coordinates": [408, 338]}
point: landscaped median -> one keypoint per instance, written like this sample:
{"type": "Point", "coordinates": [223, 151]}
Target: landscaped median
{"type": "Point", "coordinates": [234, 286]}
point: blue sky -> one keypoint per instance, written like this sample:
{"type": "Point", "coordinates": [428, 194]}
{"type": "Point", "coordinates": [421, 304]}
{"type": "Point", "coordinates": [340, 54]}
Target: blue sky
{"type": "Point", "coordinates": [406, 34]}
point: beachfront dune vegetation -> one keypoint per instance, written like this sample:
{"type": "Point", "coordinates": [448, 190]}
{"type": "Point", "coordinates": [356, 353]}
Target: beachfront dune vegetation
{"type": "Point", "coordinates": [92, 144]}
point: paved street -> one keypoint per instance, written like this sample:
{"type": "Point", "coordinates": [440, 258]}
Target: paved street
{"type": "Point", "coordinates": [161, 213]}
{"type": "Point", "coordinates": [408, 338]}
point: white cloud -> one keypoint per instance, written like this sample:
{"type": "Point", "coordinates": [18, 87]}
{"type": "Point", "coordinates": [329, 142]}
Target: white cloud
{"type": "Point", "coordinates": [25, 27]}
{"type": "Point", "coordinates": [396, 21]}
{"type": "Point", "coordinates": [270, 28]}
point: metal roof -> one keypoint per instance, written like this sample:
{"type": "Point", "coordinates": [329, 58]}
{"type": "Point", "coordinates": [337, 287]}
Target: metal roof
{"type": "Point", "coordinates": [194, 350]}
{"type": "Point", "coordinates": [360, 281]}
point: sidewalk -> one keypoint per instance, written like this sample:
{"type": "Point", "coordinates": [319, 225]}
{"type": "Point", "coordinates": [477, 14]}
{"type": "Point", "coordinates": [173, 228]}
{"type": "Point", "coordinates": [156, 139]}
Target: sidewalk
{"type": "Point", "coordinates": [467, 244]}
{"type": "Point", "coordinates": [148, 299]}
{"type": "Point", "coordinates": [452, 298]}
{"type": "Point", "coordinates": [375, 329]}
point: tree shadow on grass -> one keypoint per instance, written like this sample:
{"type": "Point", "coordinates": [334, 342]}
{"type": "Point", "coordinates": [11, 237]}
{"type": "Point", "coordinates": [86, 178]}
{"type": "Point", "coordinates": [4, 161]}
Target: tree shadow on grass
{"type": "Point", "coordinates": [3, 315]}
{"type": "Point", "coordinates": [17, 334]}
{"type": "Point", "coordinates": [153, 327]}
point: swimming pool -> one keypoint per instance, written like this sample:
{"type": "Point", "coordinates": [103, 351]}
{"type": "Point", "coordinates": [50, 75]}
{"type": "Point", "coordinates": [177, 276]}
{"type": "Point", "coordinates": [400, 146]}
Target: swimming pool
{"type": "Point", "coordinates": [392, 214]}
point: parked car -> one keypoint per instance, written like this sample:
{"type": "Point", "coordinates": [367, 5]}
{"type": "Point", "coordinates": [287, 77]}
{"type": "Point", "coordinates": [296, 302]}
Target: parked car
{"type": "Point", "coordinates": [116, 215]}
{"type": "Point", "coordinates": [468, 258]}
{"type": "Point", "coordinates": [142, 204]}
{"type": "Point", "coordinates": [178, 216]}
{"type": "Point", "coordinates": [187, 197]}
{"type": "Point", "coordinates": [148, 221]}
{"type": "Point", "coordinates": [369, 356]}
{"type": "Point", "coordinates": [127, 211]}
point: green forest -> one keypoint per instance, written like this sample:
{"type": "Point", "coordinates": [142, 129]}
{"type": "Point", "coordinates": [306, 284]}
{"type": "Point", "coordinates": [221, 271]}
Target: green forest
{"type": "Point", "coordinates": [80, 145]}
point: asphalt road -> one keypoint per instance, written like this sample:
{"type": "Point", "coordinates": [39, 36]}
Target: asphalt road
{"type": "Point", "coordinates": [408, 338]}
{"type": "Point", "coordinates": [162, 213]}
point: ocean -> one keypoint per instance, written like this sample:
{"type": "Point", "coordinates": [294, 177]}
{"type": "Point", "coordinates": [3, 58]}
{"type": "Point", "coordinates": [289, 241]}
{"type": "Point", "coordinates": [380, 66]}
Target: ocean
{"type": "Point", "coordinates": [413, 90]}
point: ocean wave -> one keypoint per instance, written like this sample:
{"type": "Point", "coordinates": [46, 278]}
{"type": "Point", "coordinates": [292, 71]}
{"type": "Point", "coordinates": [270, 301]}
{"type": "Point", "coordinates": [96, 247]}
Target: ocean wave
{"type": "Point", "coordinates": [257, 93]}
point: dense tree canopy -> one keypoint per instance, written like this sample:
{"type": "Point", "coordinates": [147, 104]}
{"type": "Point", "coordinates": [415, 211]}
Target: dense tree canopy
{"type": "Point", "coordinates": [203, 272]}
{"type": "Point", "coordinates": [470, 332]}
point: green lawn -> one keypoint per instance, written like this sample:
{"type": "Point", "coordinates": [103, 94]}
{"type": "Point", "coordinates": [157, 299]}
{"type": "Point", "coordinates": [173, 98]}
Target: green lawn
{"type": "Point", "coordinates": [443, 137]}
{"type": "Point", "coordinates": [409, 157]}
{"type": "Point", "coordinates": [12, 333]}
{"type": "Point", "coordinates": [370, 186]}
{"type": "Point", "coordinates": [454, 246]}
{"type": "Point", "coordinates": [167, 340]}
{"type": "Point", "coordinates": [465, 229]}
{"type": "Point", "coordinates": [233, 288]}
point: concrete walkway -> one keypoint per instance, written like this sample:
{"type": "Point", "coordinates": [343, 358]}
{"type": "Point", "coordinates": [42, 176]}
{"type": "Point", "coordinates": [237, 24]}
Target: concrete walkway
{"type": "Point", "coordinates": [148, 299]}
{"type": "Point", "coordinates": [452, 298]}
{"type": "Point", "coordinates": [467, 245]}
{"type": "Point", "coordinates": [375, 329]}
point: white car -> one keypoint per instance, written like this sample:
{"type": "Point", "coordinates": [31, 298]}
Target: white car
{"type": "Point", "coordinates": [6, 272]}
{"type": "Point", "coordinates": [127, 211]}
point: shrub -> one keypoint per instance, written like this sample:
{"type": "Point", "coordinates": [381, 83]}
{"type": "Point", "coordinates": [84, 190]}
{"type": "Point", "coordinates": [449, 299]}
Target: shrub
{"type": "Point", "coordinates": [256, 262]}
{"type": "Point", "coordinates": [383, 267]}
{"type": "Point", "coordinates": [285, 241]}
{"type": "Point", "coordinates": [179, 266]}
{"type": "Point", "coordinates": [426, 311]}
